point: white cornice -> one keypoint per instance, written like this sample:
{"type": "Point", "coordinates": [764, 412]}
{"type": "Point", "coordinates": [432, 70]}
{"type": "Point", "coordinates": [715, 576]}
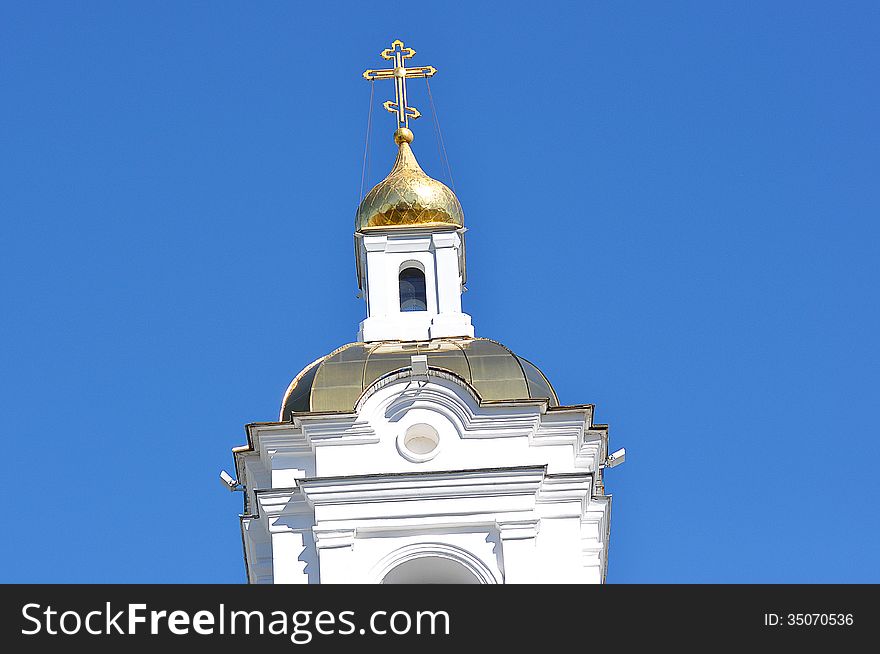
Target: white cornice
{"type": "Point", "coordinates": [561, 490]}
{"type": "Point", "coordinates": [385, 401]}
{"type": "Point", "coordinates": [330, 538]}
{"type": "Point", "coordinates": [518, 529]}
{"type": "Point", "coordinates": [273, 502]}
{"type": "Point", "coordinates": [424, 486]}
{"type": "Point", "coordinates": [306, 433]}
{"type": "Point", "coordinates": [341, 431]}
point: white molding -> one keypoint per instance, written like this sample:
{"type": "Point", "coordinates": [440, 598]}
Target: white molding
{"type": "Point", "coordinates": [327, 538]}
{"type": "Point", "coordinates": [423, 486]}
{"type": "Point", "coordinates": [518, 529]}
{"type": "Point", "coordinates": [337, 432]}
{"type": "Point", "coordinates": [407, 553]}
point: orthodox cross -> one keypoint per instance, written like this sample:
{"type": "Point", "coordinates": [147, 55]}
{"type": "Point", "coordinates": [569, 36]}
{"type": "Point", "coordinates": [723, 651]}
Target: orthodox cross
{"type": "Point", "coordinates": [399, 74]}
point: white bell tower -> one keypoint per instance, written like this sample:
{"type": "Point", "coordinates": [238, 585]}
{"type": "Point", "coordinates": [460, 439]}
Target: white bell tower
{"type": "Point", "coordinates": [412, 270]}
{"type": "Point", "coordinates": [419, 453]}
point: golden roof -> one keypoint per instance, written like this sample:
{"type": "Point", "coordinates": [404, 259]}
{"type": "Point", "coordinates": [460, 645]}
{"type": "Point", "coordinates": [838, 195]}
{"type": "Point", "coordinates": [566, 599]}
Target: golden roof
{"type": "Point", "coordinates": [408, 197]}
{"type": "Point", "coordinates": [334, 383]}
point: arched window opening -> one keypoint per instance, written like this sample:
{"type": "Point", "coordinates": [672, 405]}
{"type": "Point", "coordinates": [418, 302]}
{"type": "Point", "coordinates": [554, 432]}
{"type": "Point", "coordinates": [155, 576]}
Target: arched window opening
{"type": "Point", "coordinates": [413, 294]}
{"type": "Point", "coordinates": [430, 570]}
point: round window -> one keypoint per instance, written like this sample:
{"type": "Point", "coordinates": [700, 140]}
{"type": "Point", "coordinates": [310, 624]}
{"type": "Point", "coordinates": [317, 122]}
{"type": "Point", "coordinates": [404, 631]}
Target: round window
{"type": "Point", "coordinates": [419, 442]}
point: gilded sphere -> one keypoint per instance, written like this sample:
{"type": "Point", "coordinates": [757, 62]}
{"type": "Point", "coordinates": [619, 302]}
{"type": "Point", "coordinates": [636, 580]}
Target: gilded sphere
{"type": "Point", "coordinates": [403, 134]}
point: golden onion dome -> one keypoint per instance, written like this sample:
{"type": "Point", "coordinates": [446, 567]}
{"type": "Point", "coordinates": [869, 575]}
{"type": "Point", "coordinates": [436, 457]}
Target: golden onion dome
{"type": "Point", "coordinates": [407, 197]}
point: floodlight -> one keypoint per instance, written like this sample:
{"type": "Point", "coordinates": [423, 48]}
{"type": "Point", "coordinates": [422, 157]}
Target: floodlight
{"type": "Point", "coordinates": [227, 480]}
{"type": "Point", "coordinates": [616, 458]}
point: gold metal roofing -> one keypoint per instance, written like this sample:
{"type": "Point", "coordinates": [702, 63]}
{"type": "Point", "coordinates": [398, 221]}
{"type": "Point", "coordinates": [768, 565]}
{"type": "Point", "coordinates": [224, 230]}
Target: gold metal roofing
{"type": "Point", "coordinates": [408, 197]}
{"type": "Point", "coordinates": [334, 383]}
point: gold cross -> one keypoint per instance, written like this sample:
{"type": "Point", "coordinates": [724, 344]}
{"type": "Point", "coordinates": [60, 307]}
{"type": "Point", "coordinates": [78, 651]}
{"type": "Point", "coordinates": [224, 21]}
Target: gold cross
{"type": "Point", "coordinates": [399, 74]}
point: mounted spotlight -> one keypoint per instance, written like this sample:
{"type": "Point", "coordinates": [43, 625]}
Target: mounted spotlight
{"type": "Point", "coordinates": [230, 483]}
{"type": "Point", "coordinates": [616, 458]}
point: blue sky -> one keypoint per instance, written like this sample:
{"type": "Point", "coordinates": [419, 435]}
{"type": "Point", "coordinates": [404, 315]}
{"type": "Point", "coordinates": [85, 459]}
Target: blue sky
{"type": "Point", "coordinates": [672, 208]}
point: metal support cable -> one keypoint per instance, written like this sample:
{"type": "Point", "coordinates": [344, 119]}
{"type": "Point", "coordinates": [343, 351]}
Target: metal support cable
{"type": "Point", "coordinates": [442, 144]}
{"type": "Point", "coordinates": [367, 142]}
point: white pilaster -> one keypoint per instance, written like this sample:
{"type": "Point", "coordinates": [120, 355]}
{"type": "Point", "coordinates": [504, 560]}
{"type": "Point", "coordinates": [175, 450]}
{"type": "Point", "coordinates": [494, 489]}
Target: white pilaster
{"type": "Point", "coordinates": [334, 551]}
{"type": "Point", "coordinates": [519, 551]}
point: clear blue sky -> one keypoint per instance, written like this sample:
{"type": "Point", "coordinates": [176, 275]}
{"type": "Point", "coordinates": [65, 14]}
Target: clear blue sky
{"type": "Point", "coordinates": [673, 210]}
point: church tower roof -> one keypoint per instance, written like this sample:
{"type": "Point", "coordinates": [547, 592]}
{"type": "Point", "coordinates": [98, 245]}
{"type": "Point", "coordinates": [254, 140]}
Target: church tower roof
{"type": "Point", "coordinates": [336, 382]}
{"type": "Point", "coordinates": [407, 196]}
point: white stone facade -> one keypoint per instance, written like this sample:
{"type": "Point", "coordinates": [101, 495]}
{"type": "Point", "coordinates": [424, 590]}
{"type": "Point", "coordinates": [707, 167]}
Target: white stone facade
{"type": "Point", "coordinates": [422, 484]}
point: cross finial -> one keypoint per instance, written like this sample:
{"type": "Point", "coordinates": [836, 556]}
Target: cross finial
{"type": "Point", "coordinates": [400, 74]}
